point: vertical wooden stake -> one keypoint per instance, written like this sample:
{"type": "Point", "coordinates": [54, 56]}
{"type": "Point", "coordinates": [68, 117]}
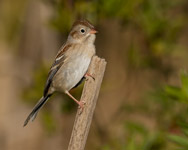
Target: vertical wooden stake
{"type": "Point", "coordinates": [89, 96]}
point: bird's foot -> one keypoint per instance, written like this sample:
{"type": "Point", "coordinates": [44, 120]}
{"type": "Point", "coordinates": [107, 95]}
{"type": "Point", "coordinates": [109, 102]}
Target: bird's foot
{"type": "Point", "coordinates": [87, 76]}
{"type": "Point", "coordinates": [81, 106]}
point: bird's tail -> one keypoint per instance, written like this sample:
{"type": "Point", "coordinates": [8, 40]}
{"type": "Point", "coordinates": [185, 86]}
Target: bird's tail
{"type": "Point", "coordinates": [36, 109]}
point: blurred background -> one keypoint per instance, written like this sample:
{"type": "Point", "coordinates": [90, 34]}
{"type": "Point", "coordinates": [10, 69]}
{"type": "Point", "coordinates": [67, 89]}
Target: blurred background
{"type": "Point", "coordinates": [144, 95]}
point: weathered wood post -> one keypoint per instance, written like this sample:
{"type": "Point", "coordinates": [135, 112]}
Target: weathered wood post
{"type": "Point", "coordinates": [89, 96]}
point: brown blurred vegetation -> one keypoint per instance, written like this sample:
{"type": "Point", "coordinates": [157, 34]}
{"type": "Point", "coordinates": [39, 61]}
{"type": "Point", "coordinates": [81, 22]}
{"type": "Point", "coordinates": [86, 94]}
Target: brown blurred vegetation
{"type": "Point", "coordinates": [144, 97]}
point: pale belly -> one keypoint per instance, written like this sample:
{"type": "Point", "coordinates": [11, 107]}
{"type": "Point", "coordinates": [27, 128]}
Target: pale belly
{"type": "Point", "coordinates": [71, 73]}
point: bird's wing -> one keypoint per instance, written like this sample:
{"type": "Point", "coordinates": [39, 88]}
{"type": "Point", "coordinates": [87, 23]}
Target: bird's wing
{"type": "Point", "coordinates": [59, 60]}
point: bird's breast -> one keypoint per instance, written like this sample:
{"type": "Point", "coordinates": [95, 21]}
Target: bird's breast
{"type": "Point", "coordinates": [73, 69]}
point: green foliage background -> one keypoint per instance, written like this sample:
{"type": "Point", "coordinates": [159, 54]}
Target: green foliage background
{"type": "Point", "coordinates": [161, 26]}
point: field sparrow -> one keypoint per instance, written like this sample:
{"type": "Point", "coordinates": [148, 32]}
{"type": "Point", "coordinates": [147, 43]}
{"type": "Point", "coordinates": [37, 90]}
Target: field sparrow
{"type": "Point", "coordinates": [70, 65]}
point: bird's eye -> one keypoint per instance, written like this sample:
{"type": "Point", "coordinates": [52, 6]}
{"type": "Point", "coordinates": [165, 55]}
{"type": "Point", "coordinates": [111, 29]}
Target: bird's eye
{"type": "Point", "coordinates": [82, 31]}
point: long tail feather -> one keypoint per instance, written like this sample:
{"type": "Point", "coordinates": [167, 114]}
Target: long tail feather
{"type": "Point", "coordinates": [36, 109]}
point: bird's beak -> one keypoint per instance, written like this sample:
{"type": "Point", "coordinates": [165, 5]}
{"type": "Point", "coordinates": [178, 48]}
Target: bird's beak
{"type": "Point", "coordinates": [93, 31]}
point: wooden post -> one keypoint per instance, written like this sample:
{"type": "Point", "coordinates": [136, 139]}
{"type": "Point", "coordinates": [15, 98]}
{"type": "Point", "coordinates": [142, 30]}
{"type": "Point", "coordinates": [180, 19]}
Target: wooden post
{"type": "Point", "coordinates": [89, 96]}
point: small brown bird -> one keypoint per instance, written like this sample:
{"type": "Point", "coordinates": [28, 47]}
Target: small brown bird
{"type": "Point", "coordinates": [70, 65]}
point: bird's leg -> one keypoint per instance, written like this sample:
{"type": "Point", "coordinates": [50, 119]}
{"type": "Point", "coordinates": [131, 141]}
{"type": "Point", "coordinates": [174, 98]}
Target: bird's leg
{"type": "Point", "coordinates": [80, 103]}
{"type": "Point", "coordinates": [89, 75]}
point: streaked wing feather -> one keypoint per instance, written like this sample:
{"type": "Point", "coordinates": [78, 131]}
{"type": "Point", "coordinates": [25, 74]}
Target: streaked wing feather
{"type": "Point", "coordinates": [49, 80]}
{"type": "Point", "coordinates": [59, 60]}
